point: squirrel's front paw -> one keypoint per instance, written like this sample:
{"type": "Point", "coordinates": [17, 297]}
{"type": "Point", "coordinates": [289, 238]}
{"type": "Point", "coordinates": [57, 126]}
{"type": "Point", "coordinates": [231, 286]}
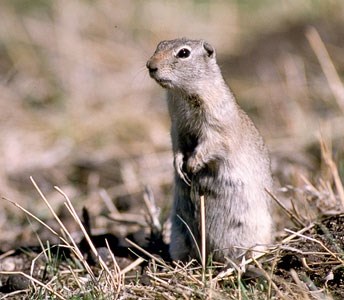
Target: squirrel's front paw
{"type": "Point", "coordinates": [194, 163]}
{"type": "Point", "coordinates": [178, 165]}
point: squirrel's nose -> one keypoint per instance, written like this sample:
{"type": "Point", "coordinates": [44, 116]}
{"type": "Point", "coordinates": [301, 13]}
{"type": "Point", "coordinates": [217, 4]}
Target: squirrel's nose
{"type": "Point", "coordinates": [151, 66]}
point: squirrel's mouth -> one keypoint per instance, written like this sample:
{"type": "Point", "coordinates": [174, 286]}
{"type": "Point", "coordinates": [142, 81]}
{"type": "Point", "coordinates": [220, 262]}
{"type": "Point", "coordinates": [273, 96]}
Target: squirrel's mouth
{"type": "Point", "coordinates": [166, 83]}
{"type": "Point", "coordinates": [153, 73]}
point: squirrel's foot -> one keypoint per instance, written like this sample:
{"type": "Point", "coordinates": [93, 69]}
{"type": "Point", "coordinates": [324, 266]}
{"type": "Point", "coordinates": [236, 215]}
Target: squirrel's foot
{"type": "Point", "coordinates": [178, 165]}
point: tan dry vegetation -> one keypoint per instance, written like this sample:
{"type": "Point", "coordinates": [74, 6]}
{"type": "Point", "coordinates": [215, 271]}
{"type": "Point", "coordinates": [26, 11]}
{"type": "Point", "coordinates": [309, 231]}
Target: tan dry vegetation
{"type": "Point", "coordinates": [78, 110]}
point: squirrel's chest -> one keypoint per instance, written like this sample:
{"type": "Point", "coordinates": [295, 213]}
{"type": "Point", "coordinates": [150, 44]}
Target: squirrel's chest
{"type": "Point", "coordinates": [190, 128]}
{"type": "Point", "coordinates": [186, 110]}
{"type": "Point", "coordinates": [189, 118]}
{"type": "Point", "coordinates": [188, 121]}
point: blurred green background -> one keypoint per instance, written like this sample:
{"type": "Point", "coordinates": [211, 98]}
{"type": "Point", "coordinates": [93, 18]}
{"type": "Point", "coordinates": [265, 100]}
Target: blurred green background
{"type": "Point", "coordinates": [78, 109]}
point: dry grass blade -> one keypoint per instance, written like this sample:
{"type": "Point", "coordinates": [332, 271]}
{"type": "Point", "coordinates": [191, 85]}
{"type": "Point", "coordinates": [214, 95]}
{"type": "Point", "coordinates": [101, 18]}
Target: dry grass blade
{"type": "Point", "coordinates": [296, 234]}
{"type": "Point", "coordinates": [222, 275]}
{"type": "Point", "coordinates": [187, 272]}
{"type": "Point", "coordinates": [117, 270]}
{"type": "Point", "coordinates": [230, 271]}
{"type": "Point", "coordinates": [75, 249]}
{"type": "Point", "coordinates": [153, 211]}
{"type": "Point", "coordinates": [193, 237]}
{"type": "Point", "coordinates": [204, 258]}
{"type": "Point", "coordinates": [35, 218]}
{"type": "Point", "coordinates": [34, 280]}
{"type": "Point", "coordinates": [6, 254]}
{"type": "Point", "coordinates": [161, 262]}
{"type": "Point", "coordinates": [108, 202]}
{"type": "Point", "coordinates": [184, 291]}
{"type": "Point", "coordinates": [326, 153]}
{"type": "Point", "coordinates": [292, 216]}
{"type": "Point", "coordinates": [327, 65]}
{"type": "Point", "coordinates": [115, 280]}
{"type": "Point", "coordinates": [299, 284]}
{"type": "Point", "coordinates": [133, 265]}
{"type": "Point", "coordinates": [267, 276]}
{"type": "Point", "coordinates": [127, 218]}
{"type": "Point", "coordinates": [75, 277]}
{"type": "Point", "coordinates": [318, 242]}
{"type": "Point", "coordinates": [12, 294]}
{"type": "Point", "coordinates": [272, 271]}
{"type": "Point", "coordinates": [242, 266]}
{"type": "Point", "coordinates": [71, 209]}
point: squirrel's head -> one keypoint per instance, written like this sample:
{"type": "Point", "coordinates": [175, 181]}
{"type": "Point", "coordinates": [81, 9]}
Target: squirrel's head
{"type": "Point", "coordinates": [183, 64]}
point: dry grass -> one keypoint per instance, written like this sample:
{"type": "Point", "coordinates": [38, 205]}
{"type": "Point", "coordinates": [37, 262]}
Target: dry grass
{"type": "Point", "coordinates": [77, 280]}
{"type": "Point", "coordinates": [78, 111]}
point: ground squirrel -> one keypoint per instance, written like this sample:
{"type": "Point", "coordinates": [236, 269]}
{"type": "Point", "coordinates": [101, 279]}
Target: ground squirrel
{"type": "Point", "coordinates": [218, 153]}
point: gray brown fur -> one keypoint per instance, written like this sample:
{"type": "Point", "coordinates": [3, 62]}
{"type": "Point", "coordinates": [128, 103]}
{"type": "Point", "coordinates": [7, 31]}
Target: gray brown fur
{"type": "Point", "coordinates": [217, 147]}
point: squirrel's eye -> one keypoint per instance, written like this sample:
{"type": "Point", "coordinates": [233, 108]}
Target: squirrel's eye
{"type": "Point", "coordinates": [183, 53]}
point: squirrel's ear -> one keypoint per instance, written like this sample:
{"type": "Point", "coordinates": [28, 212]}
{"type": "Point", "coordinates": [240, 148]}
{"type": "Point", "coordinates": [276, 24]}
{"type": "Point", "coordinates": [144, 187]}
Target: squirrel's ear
{"type": "Point", "coordinates": [209, 48]}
